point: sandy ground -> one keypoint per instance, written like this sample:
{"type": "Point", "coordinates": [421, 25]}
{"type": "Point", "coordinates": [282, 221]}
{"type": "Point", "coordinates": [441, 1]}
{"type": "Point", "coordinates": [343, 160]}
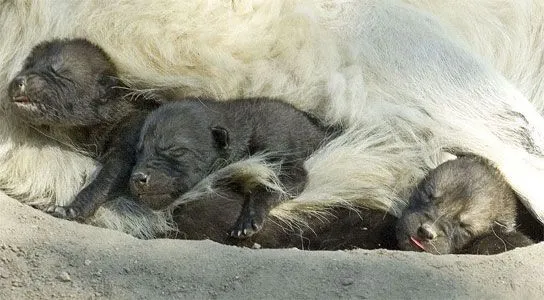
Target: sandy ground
{"type": "Point", "coordinates": [43, 257]}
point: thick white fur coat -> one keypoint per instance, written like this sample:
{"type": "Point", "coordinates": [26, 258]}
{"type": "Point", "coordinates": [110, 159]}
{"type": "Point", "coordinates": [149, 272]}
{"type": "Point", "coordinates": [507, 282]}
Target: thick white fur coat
{"type": "Point", "coordinates": [410, 79]}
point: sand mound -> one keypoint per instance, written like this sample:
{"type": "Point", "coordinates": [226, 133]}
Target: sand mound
{"type": "Point", "coordinates": [43, 257]}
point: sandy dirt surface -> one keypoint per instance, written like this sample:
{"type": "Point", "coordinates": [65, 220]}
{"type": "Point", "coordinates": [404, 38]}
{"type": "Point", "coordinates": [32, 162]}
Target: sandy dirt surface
{"type": "Point", "coordinates": [43, 257]}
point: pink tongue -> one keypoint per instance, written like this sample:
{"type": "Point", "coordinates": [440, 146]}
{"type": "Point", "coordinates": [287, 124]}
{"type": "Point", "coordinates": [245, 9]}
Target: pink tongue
{"type": "Point", "coordinates": [417, 243]}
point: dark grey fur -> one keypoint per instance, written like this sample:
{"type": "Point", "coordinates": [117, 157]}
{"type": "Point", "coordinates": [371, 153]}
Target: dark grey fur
{"type": "Point", "coordinates": [462, 206]}
{"type": "Point", "coordinates": [183, 142]}
{"type": "Point", "coordinates": [68, 83]}
{"type": "Point", "coordinates": [71, 87]}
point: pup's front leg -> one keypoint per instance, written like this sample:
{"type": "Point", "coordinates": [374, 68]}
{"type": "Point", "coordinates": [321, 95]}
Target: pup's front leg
{"type": "Point", "coordinates": [112, 180]}
{"type": "Point", "coordinates": [255, 209]}
{"type": "Point", "coordinates": [259, 200]}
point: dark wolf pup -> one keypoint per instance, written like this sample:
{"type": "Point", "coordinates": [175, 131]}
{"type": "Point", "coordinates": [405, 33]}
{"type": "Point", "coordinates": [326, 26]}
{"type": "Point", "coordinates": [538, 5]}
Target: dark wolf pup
{"type": "Point", "coordinates": [69, 88]}
{"type": "Point", "coordinates": [183, 142]}
{"type": "Point", "coordinates": [462, 206]}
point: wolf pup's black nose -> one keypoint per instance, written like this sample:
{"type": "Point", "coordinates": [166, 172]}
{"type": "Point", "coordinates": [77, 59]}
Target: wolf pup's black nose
{"type": "Point", "coordinates": [17, 88]}
{"type": "Point", "coordinates": [139, 181]}
{"type": "Point", "coordinates": [426, 231]}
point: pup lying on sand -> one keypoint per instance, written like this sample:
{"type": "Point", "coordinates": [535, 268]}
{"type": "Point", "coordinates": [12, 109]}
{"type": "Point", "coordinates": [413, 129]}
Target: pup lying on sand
{"type": "Point", "coordinates": [71, 86]}
{"type": "Point", "coordinates": [181, 143]}
{"type": "Point", "coordinates": [462, 206]}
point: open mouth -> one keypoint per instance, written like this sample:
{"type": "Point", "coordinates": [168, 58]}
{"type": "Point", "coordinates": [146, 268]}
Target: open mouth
{"type": "Point", "coordinates": [21, 99]}
{"type": "Point", "coordinates": [23, 103]}
{"type": "Point", "coordinates": [417, 243]}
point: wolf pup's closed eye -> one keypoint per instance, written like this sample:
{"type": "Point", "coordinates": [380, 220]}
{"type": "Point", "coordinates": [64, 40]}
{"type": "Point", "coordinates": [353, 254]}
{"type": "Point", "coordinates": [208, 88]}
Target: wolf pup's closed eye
{"type": "Point", "coordinates": [464, 205]}
{"type": "Point", "coordinates": [183, 142]}
{"type": "Point", "coordinates": [71, 86]}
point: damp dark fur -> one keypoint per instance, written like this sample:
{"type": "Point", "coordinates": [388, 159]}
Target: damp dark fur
{"type": "Point", "coordinates": [69, 83]}
{"type": "Point", "coordinates": [183, 142]}
{"type": "Point", "coordinates": [71, 86]}
{"type": "Point", "coordinates": [462, 206]}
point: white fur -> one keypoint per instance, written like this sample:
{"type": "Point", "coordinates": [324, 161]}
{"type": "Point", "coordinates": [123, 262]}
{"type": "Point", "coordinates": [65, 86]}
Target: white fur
{"type": "Point", "coordinates": [407, 83]}
{"type": "Point", "coordinates": [253, 171]}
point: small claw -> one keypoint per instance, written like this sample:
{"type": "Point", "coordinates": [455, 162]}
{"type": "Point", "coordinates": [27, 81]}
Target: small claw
{"type": "Point", "coordinates": [62, 212]}
{"type": "Point", "coordinates": [235, 233]}
{"type": "Point", "coordinates": [245, 229]}
{"type": "Point", "coordinates": [50, 209]}
{"type": "Point", "coordinates": [59, 212]}
{"type": "Point", "coordinates": [70, 213]}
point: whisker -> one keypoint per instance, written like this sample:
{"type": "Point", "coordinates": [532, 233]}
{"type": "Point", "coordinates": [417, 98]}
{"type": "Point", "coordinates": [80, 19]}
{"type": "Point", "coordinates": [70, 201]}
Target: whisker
{"type": "Point", "coordinates": [439, 217]}
{"type": "Point", "coordinates": [434, 247]}
{"type": "Point", "coordinates": [502, 240]}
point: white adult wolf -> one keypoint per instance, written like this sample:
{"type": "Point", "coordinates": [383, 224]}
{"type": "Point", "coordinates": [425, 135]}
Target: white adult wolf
{"type": "Point", "coordinates": [409, 79]}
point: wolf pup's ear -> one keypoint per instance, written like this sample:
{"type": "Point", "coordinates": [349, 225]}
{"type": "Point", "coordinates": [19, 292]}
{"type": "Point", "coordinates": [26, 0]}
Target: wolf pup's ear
{"type": "Point", "coordinates": [220, 137]}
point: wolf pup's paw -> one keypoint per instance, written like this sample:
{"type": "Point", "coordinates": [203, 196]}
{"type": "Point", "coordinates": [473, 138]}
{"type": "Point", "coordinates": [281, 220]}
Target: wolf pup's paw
{"type": "Point", "coordinates": [65, 212]}
{"type": "Point", "coordinates": [246, 226]}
